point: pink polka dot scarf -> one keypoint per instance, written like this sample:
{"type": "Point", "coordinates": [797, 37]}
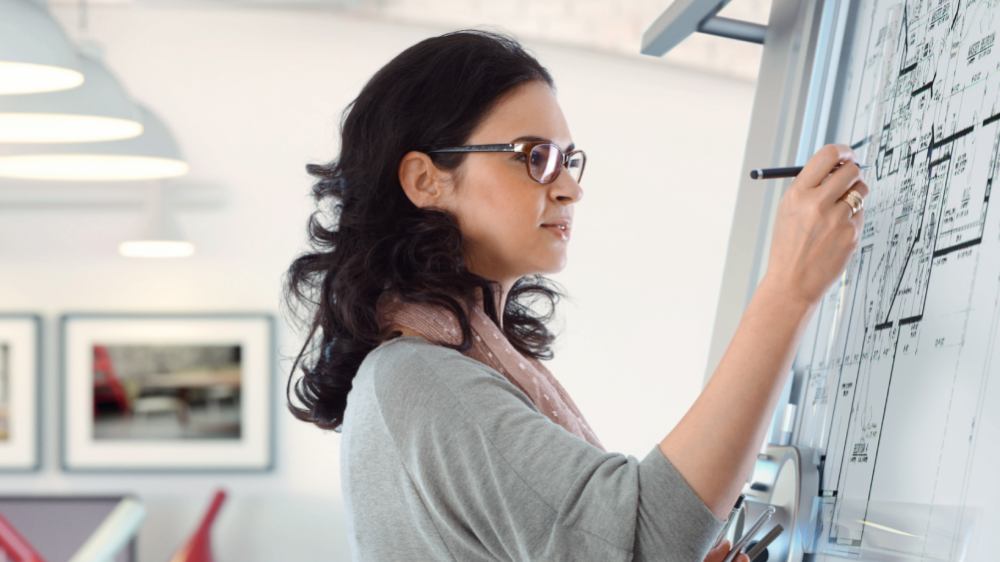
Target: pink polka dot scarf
{"type": "Point", "coordinates": [490, 347]}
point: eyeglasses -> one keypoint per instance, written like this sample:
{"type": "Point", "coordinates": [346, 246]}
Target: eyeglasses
{"type": "Point", "coordinates": [544, 160]}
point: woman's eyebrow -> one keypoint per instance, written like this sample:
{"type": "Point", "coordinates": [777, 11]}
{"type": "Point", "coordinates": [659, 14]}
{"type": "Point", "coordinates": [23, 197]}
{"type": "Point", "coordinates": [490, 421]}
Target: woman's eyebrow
{"type": "Point", "coordinates": [534, 138]}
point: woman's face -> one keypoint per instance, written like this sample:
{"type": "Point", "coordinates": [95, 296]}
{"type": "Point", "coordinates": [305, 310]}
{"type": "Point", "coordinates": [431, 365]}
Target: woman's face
{"type": "Point", "coordinates": [500, 208]}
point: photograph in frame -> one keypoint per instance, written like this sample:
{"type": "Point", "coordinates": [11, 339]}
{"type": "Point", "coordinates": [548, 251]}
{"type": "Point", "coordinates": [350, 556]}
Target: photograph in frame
{"type": "Point", "coordinates": [167, 392]}
{"type": "Point", "coordinates": [20, 379]}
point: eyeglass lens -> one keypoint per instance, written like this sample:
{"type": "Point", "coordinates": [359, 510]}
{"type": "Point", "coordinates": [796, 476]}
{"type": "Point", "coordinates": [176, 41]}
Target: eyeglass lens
{"type": "Point", "coordinates": [546, 161]}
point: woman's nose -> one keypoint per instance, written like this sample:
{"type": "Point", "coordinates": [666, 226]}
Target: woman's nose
{"type": "Point", "coordinates": [565, 187]}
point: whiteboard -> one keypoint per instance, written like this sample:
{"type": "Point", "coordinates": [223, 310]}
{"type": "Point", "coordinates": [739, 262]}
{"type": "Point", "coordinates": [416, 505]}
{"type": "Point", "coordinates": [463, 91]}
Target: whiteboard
{"type": "Point", "coordinates": [896, 384]}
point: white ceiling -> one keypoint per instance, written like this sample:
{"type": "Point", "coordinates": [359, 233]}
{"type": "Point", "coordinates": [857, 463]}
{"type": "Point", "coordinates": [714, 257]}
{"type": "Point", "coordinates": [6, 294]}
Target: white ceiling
{"type": "Point", "coordinates": [594, 24]}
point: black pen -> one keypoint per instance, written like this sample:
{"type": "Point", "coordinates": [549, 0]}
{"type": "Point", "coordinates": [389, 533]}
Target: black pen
{"type": "Point", "coordinates": [788, 172]}
{"type": "Point", "coordinates": [760, 546]}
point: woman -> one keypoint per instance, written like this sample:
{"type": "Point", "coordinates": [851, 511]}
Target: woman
{"type": "Point", "coordinates": [453, 193]}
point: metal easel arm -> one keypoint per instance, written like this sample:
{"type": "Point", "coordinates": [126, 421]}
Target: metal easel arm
{"type": "Point", "coordinates": [685, 17]}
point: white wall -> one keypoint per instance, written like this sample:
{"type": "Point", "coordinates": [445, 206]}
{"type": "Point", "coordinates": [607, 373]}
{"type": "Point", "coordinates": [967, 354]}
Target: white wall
{"type": "Point", "coordinates": [254, 95]}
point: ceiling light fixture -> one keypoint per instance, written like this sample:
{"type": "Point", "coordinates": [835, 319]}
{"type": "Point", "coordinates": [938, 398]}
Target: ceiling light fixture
{"type": "Point", "coordinates": [160, 238]}
{"type": "Point", "coordinates": [99, 110]}
{"type": "Point", "coordinates": [35, 55]}
{"type": "Point", "coordinates": [153, 155]}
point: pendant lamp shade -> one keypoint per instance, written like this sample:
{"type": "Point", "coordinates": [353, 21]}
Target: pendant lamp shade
{"type": "Point", "coordinates": [99, 110]}
{"type": "Point", "coordinates": [152, 155]}
{"type": "Point", "coordinates": [35, 55]}
{"type": "Point", "coordinates": [160, 237]}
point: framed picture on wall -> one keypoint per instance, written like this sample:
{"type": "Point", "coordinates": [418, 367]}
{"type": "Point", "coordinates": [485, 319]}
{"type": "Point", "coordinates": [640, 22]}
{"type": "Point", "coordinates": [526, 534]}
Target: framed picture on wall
{"type": "Point", "coordinates": [167, 392]}
{"type": "Point", "coordinates": [20, 392]}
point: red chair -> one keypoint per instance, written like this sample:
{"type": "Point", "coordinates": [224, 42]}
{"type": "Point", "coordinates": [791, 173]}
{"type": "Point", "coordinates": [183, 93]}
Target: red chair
{"type": "Point", "coordinates": [108, 387]}
{"type": "Point", "coordinates": [16, 547]}
{"type": "Point", "coordinates": [199, 546]}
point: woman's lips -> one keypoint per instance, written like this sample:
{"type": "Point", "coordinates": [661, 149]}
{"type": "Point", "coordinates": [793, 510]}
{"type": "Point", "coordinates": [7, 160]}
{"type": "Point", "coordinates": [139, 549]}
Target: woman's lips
{"type": "Point", "coordinates": [562, 231]}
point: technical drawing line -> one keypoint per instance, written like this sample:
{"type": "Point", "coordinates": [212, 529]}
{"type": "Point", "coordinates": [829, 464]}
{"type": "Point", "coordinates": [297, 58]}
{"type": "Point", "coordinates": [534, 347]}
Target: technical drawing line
{"type": "Point", "coordinates": [881, 425]}
{"type": "Point", "coordinates": [954, 136]}
{"type": "Point", "coordinates": [991, 119]}
{"type": "Point", "coordinates": [957, 247]}
{"type": "Point", "coordinates": [902, 274]}
{"type": "Point", "coordinates": [840, 377]}
{"type": "Point", "coordinates": [924, 88]}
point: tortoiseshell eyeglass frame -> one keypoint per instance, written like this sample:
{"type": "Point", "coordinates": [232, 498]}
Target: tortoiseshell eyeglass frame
{"type": "Point", "coordinates": [525, 148]}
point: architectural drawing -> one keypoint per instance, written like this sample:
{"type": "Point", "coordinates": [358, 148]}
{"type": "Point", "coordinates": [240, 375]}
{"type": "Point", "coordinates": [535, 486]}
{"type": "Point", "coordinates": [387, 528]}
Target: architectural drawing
{"type": "Point", "coordinates": [900, 390]}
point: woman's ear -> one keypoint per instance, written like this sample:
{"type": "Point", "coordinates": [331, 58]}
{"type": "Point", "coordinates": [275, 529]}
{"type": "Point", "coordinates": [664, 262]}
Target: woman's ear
{"type": "Point", "coordinates": [422, 182]}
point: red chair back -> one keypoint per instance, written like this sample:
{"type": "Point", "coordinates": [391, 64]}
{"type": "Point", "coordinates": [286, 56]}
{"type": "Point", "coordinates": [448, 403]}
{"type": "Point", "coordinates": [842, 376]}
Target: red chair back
{"type": "Point", "coordinates": [16, 547]}
{"type": "Point", "coordinates": [199, 547]}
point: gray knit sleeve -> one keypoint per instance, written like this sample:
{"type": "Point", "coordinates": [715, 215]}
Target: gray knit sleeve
{"type": "Point", "coordinates": [496, 472]}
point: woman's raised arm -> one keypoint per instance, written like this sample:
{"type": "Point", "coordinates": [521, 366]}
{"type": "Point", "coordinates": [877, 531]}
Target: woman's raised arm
{"type": "Point", "coordinates": [715, 443]}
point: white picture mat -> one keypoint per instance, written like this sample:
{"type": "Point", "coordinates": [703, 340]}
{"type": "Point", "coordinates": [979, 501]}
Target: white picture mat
{"type": "Point", "coordinates": [251, 450]}
{"type": "Point", "coordinates": [20, 449]}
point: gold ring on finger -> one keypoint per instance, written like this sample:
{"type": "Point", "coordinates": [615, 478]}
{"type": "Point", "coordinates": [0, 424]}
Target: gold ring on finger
{"type": "Point", "coordinates": [854, 200]}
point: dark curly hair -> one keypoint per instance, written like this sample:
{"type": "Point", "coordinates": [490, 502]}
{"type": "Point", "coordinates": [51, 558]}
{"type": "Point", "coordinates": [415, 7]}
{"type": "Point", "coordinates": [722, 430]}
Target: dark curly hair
{"type": "Point", "coordinates": [367, 237]}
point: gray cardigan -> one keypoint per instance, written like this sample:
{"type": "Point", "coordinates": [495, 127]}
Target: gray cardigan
{"type": "Point", "coordinates": [442, 458]}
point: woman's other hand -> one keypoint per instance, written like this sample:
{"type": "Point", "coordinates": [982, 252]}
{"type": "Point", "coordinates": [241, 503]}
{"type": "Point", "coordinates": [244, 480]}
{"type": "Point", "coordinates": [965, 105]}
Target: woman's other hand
{"type": "Point", "coordinates": [718, 553]}
{"type": "Point", "coordinates": [814, 232]}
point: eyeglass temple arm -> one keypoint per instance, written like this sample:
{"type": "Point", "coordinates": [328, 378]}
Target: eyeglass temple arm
{"type": "Point", "coordinates": [478, 148]}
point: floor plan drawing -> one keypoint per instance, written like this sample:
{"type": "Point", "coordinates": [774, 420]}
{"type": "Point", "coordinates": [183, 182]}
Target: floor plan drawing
{"type": "Point", "coordinates": [900, 389]}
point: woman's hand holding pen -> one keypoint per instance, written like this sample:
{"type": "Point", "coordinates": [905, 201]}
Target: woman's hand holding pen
{"type": "Point", "coordinates": [715, 444]}
{"type": "Point", "coordinates": [816, 230]}
{"type": "Point", "coordinates": [718, 553]}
